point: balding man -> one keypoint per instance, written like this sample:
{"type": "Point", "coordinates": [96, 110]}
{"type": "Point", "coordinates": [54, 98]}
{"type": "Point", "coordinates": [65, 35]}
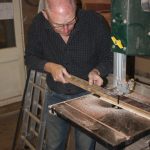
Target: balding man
{"type": "Point", "coordinates": [64, 40]}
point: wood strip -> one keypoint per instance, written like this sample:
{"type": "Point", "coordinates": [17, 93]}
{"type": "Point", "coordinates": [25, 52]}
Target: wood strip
{"type": "Point", "coordinates": [108, 98]}
{"type": "Point", "coordinates": [28, 143]}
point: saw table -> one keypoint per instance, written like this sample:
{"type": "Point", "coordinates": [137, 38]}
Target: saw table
{"type": "Point", "coordinates": [114, 127]}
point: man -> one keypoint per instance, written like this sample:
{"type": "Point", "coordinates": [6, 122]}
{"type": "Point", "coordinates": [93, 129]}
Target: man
{"type": "Point", "coordinates": [63, 41]}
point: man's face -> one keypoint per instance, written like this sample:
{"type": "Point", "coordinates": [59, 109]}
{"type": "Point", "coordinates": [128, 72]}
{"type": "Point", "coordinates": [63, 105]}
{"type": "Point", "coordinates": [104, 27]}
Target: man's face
{"type": "Point", "coordinates": [62, 23]}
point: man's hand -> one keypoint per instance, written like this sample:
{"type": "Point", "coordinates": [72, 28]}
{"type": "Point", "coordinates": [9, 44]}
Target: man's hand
{"type": "Point", "coordinates": [57, 71]}
{"type": "Point", "coordinates": [94, 78]}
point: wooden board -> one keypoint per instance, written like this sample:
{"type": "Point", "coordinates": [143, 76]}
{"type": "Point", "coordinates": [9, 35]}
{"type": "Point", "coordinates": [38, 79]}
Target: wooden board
{"type": "Point", "coordinates": [124, 102]}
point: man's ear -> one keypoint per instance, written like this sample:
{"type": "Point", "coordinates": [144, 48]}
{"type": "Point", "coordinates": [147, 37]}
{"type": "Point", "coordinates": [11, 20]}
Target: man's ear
{"type": "Point", "coordinates": [45, 14]}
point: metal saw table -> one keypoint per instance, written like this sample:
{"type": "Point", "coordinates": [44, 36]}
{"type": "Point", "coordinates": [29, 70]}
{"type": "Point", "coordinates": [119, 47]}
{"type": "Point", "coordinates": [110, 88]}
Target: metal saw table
{"type": "Point", "coordinates": [115, 128]}
{"type": "Point", "coordinates": [115, 124]}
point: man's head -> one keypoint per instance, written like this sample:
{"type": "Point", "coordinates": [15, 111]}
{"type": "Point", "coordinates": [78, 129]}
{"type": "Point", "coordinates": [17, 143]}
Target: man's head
{"type": "Point", "coordinates": [62, 15]}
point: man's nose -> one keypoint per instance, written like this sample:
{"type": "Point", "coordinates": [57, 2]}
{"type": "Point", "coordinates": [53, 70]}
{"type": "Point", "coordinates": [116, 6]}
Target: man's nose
{"type": "Point", "coordinates": [65, 28]}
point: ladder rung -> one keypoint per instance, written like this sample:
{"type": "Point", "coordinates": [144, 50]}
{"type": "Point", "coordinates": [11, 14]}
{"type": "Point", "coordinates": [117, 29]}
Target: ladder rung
{"type": "Point", "coordinates": [28, 143]}
{"type": "Point", "coordinates": [33, 112]}
{"type": "Point", "coordinates": [43, 77]}
{"type": "Point", "coordinates": [35, 132]}
{"type": "Point", "coordinates": [39, 106]}
{"type": "Point", "coordinates": [33, 117]}
{"type": "Point", "coordinates": [36, 86]}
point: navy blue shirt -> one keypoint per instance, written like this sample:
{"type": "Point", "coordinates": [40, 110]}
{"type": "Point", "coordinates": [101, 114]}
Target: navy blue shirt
{"type": "Point", "coordinates": [88, 47]}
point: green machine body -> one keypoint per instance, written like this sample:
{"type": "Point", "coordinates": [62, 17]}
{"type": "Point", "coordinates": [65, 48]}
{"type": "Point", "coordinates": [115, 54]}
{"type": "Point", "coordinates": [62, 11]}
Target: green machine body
{"type": "Point", "coordinates": [131, 27]}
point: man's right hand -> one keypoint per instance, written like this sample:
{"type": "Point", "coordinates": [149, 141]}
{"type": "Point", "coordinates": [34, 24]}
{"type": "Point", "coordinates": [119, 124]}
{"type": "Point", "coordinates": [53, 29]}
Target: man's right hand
{"type": "Point", "coordinates": [57, 71]}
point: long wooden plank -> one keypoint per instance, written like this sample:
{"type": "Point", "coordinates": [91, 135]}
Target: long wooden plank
{"type": "Point", "coordinates": [108, 98]}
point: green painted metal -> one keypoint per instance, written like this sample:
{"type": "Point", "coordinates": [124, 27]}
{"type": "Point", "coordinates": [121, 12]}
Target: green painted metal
{"type": "Point", "coordinates": [131, 25]}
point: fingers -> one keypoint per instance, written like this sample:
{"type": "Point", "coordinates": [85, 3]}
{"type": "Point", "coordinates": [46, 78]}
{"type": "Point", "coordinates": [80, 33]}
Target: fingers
{"type": "Point", "coordinates": [60, 78]}
{"type": "Point", "coordinates": [98, 82]}
{"type": "Point", "coordinates": [57, 71]}
{"type": "Point", "coordinates": [60, 73]}
{"type": "Point", "coordinates": [91, 81]}
{"type": "Point", "coordinates": [64, 74]}
{"type": "Point", "coordinates": [95, 79]}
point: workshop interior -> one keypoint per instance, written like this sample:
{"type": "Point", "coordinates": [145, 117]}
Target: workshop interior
{"type": "Point", "coordinates": [117, 116]}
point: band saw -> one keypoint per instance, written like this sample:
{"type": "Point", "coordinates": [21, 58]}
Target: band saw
{"type": "Point", "coordinates": [119, 116]}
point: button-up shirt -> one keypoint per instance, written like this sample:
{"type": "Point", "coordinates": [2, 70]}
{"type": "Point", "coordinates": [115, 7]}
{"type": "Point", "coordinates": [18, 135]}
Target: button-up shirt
{"type": "Point", "coordinates": [88, 47]}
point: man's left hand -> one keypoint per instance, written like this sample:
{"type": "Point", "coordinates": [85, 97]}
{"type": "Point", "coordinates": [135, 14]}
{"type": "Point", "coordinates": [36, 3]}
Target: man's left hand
{"type": "Point", "coordinates": [94, 78]}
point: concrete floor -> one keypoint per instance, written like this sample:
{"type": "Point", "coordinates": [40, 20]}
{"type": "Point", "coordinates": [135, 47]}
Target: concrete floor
{"type": "Point", "coordinates": [8, 120]}
{"type": "Point", "coordinates": [7, 130]}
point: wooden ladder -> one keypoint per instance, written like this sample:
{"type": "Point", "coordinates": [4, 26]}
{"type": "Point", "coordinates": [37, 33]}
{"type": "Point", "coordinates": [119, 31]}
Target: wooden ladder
{"type": "Point", "coordinates": [33, 122]}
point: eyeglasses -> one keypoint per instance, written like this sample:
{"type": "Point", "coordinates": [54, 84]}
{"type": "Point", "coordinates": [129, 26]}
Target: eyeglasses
{"type": "Point", "coordinates": [60, 26]}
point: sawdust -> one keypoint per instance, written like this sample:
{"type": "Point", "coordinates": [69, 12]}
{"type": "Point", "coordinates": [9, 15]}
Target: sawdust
{"type": "Point", "coordinates": [119, 119]}
{"type": "Point", "coordinates": [140, 98]}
